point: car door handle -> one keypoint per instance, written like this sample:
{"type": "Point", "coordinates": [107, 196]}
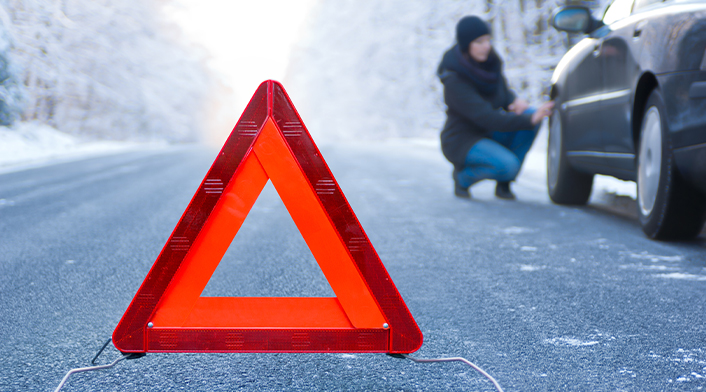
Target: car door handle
{"type": "Point", "coordinates": [638, 29]}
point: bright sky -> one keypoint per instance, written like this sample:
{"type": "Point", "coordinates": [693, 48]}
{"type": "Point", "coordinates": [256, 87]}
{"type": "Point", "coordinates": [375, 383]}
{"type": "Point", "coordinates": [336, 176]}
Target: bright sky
{"type": "Point", "coordinates": [250, 40]}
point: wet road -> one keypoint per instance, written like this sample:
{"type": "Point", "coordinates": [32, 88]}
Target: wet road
{"type": "Point", "coordinates": [542, 297]}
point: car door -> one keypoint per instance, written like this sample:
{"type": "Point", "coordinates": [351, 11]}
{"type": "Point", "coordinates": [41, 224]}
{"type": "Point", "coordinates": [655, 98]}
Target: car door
{"type": "Point", "coordinates": [620, 53]}
{"type": "Point", "coordinates": [580, 106]}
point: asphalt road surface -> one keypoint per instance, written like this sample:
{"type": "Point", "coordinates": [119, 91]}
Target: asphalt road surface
{"type": "Point", "coordinates": [542, 297]}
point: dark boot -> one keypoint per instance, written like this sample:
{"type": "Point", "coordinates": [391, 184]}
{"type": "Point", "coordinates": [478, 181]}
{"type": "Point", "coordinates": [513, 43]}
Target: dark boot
{"type": "Point", "coordinates": [502, 190]}
{"type": "Point", "coordinates": [460, 191]}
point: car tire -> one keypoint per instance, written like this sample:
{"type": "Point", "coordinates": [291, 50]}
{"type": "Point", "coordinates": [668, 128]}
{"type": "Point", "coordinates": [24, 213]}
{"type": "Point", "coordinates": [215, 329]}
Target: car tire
{"type": "Point", "coordinates": [565, 184]}
{"type": "Point", "coordinates": [668, 207]}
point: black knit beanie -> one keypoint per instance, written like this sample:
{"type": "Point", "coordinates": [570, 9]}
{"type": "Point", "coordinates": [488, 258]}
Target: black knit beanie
{"type": "Point", "coordinates": [468, 29]}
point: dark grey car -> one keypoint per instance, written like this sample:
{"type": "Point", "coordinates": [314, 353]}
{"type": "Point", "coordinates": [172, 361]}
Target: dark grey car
{"type": "Point", "coordinates": [631, 103]}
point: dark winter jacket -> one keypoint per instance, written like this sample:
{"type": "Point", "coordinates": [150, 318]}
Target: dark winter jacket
{"type": "Point", "coordinates": [471, 113]}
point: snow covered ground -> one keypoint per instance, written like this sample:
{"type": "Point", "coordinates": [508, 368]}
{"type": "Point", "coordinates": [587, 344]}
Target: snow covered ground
{"type": "Point", "coordinates": [606, 190]}
{"type": "Point", "coordinates": [365, 70]}
{"type": "Point", "coordinates": [531, 185]}
{"type": "Point", "coordinates": [361, 71]}
{"type": "Point", "coordinates": [27, 145]}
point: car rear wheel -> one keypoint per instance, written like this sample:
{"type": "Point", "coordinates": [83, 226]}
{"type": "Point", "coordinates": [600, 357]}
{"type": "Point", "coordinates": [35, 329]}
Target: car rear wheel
{"type": "Point", "coordinates": [565, 184]}
{"type": "Point", "coordinates": [668, 207]}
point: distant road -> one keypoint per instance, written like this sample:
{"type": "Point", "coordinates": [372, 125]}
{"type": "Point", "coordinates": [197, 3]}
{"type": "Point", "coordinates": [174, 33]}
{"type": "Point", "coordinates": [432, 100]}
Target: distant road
{"type": "Point", "coordinates": [543, 297]}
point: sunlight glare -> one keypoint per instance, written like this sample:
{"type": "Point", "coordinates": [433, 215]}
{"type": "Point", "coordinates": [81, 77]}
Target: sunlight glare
{"type": "Point", "coordinates": [248, 41]}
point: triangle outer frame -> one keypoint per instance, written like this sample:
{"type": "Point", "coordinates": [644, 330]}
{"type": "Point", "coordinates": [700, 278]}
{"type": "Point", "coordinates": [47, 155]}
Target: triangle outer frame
{"type": "Point", "coordinates": [270, 109]}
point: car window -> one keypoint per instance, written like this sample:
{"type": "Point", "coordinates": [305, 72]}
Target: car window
{"type": "Point", "coordinates": [619, 9]}
{"type": "Point", "coordinates": [639, 4]}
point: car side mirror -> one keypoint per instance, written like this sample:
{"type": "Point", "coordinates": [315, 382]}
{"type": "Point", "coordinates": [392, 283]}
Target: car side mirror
{"type": "Point", "coordinates": [574, 19]}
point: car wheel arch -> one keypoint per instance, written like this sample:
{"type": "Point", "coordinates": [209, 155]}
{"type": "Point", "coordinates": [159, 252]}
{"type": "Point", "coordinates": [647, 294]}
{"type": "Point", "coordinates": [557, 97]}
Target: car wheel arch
{"type": "Point", "coordinates": [645, 85]}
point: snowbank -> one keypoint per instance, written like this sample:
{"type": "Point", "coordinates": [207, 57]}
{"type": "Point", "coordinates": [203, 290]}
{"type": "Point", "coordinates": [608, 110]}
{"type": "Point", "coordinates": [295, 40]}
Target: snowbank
{"type": "Point", "coordinates": [29, 144]}
{"type": "Point", "coordinates": [362, 71]}
{"type": "Point", "coordinates": [606, 190]}
{"type": "Point", "coordinates": [365, 70]}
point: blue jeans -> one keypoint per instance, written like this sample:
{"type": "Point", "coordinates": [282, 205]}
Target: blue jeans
{"type": "Point", "coordinates": [497, 158]}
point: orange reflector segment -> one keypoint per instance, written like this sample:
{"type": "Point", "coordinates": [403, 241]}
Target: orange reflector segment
{"type": "Point", "coordinates": [168, 313]}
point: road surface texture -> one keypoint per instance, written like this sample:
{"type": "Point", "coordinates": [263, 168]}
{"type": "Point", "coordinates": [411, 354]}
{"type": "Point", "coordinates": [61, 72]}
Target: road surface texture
{"type": "Point", "coordinates": [542, 297]}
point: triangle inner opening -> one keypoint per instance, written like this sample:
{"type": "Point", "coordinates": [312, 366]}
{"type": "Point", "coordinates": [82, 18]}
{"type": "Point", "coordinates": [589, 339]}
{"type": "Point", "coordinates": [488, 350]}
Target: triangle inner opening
{"type": "Point", "coordinates": [268, 257]}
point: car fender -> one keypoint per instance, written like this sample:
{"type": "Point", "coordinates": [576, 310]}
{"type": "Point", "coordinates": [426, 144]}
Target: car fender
{"type": "Point", "coordinates": [567, 64]}
{"type": "Point", "coordinates": [675, 38]}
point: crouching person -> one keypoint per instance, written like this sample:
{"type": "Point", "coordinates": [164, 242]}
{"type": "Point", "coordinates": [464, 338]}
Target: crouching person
{"type": "Point", "coordinates": [488, 130]}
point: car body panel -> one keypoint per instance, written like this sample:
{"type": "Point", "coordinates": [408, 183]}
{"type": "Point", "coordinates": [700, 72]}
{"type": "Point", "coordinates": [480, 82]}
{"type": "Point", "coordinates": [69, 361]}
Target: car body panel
{"type": "Point", "coordinates": [675, 35]}
{"type": "Point", "coordinates": [579, 111]}
{"type": "Point", "coordinates": [665, 42]}
{"type": "Point", "coordinates": [620, 72]}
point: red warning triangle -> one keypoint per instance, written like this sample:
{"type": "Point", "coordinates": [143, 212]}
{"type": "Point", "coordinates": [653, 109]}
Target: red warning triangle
{"type": "Point", "coordinates": [168, 313]}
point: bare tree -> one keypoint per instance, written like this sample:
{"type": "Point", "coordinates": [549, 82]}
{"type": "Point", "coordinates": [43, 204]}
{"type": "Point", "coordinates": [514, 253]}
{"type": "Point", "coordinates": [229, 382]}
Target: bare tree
{"type": "Point", "coordinates": [366, 69]}
{"type": "Point", "coordinates": [105, 69]}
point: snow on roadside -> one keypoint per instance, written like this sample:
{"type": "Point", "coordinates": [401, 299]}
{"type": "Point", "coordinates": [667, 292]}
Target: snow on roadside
{"type": "Point", "coordinates": [531, 184]}
{"type": "Point", "coordinates": [29, 144]}
{"type": "Point", "coordinates": [534, 176]}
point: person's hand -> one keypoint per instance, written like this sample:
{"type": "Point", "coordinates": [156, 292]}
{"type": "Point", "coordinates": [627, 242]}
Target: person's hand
{"type": "Point", "coordinates": [543, 111]}
{"type": "Point", "coordinates": [518, 106]}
